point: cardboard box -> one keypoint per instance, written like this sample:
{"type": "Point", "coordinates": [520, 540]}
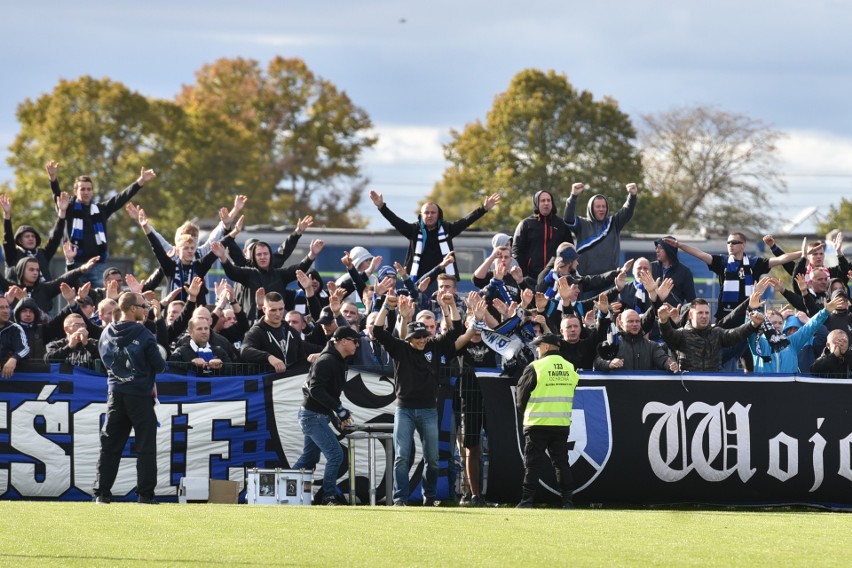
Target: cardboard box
{"type": "Point", "coordinates": [203, 490]}
{"type": "Point", "coordinates": [224, 491]}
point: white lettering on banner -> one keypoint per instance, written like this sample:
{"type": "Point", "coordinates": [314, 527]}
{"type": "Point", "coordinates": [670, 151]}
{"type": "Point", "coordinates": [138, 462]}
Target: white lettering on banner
{"type": "Point", "coordinates": [669, 439]}
{"type": "Point", "coordinates": [819, 449]}
{"type": "Point", "coordinates": [788, 470]}
{"type": "Point", "coordinates": [165, 414]}
{"type": "Point", "coordinates": [87, 426]}
{"type": "Point", "coordinates": [25, 438]}
{"type": "Point", "coordinates": [846, 458]}
{"type": "Point", "coordinates": [200, 442]}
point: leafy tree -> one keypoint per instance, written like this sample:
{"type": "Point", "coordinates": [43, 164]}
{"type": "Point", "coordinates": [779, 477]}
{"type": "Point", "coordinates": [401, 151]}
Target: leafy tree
{"type": "Point", "coordinates": [839, 217]}
{"type": "Point", "coordinates": [94, 127]}
{"type": "Point", "coordinates": [290, 140]}
{"type": "Point", "coordinates": [540, 134]}
{"type": "Point", "coordinates": [722, 167]}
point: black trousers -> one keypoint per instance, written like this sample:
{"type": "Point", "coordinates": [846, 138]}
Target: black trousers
{"type": "Point", "coordinates": [125, 411]}
{"type": "Point", "coordinates": [538, 443]}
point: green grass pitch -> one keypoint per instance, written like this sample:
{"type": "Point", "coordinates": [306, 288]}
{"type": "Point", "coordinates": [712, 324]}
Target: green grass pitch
{"type": "Point", "coordinates": [127, 534]}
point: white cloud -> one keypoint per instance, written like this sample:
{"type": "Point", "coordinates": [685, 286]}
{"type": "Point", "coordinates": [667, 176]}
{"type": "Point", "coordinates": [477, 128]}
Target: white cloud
{"type": "Point", "coordinates": [408, 144]}
{"type": "Point", "coordinates": [815, 152]}
{"type": "Point", "coordinates": [270, 40]}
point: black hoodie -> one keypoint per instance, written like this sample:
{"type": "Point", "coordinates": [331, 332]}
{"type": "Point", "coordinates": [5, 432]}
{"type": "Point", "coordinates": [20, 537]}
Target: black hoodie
{"type": "Point", "coordinates": [684, 283]}
{"type": "Point", "coordinates": [44, 292]}
{"type": "Point", "coordinates": [537, 237]}
{"type": "Point", "coordinates": [130, 353]}
{"type": "Point", "coordinates": [14, 251]}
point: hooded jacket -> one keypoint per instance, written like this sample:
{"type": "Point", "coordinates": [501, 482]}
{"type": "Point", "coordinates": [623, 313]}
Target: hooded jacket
{"type": "Point", "coordinates": [638, 354]}
{"type": "Point", "coordinates": [536, 238]}
{"type": "Point", "coordinates": [38, 334]}
{"type": "Point", "coordinates": [251, 278]}
{"type": "Point", "coordinates": [13, 251]}
{"type": "Point", "coordinates": [787, 359]}
{"type": "Point", "coordinates": [431, 255]}
{"type": "Point", "coordinates": [283, 342]}
{"type": "Point", "coordinates": [13, 342]}
{"type": "Point", "coordinates": [325, 382]}
{"type": "Point", "coordinates": [684, 283]}
{"type": "Point", "coordinates": [44, 292]}
{"type": "Point", "coordinates": [598, 242]}
{"type": "Point", "coordinates": [130, 354]}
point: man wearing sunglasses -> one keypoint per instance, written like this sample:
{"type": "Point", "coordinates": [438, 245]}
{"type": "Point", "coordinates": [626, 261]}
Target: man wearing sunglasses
{"type": "Point", "coordinates": [737, 271]}
{"type": "Point", "coordinates": [130, 354]}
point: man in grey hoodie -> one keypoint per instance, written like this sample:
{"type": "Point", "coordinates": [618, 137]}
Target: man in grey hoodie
{"type": "Point", "coordinates": [130, 354]}
{"type": "Point", "coordinates": [597, 231]}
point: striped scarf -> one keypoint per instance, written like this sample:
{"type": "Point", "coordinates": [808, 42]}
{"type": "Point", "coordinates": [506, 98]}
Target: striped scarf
{"type": "Point", "coordinates": [183, 277]}
{"type": "Point", "coordinates": [418, 250]}
{"type": "Point", "coordinates": [97, 223]}
{"type": "Point", "coordinates": [595, 239]}
{"type": "Point", "coordinates": [203, 352]}
{"type": "Point", "coordinates": [738, 282]}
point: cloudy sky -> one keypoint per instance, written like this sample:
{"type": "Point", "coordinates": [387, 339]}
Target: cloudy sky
{"type": "Point", "coordinates": [421, 68]}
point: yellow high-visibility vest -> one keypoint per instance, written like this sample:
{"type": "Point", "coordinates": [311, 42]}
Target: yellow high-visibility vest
{"type": "Point", "coordinates": [552, 398]}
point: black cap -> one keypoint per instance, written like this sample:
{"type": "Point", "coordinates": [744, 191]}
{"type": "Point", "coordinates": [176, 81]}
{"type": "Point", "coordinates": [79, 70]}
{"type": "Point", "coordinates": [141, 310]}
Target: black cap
{"type": "Point", "coordinates": [110, 271]}
{"type": "Point", "coordinates": [326, 316]}
{"type": "Point", "coordinates": [549, 338]}
{"type": "Point", "coordinates": [346, 333]}
{"type": "Point", "coordinates": [417, 329]}
{"type": "Point", "coordinates": [838, 293]}
{"type": "Point", "coordinates": [86, 301]}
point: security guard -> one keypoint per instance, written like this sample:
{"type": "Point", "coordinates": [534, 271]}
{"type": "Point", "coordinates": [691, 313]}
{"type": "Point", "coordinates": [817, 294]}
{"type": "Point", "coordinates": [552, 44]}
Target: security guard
{"type": "Point", "coordinates": [545, 398]}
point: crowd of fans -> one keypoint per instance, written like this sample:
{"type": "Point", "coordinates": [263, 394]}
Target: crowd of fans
{"type": "Point", "coordinates": [555, 274]}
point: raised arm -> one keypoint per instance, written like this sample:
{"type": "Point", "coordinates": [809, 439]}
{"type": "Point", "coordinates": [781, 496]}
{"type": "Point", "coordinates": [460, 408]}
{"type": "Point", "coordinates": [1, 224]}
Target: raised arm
{"type": "Point", "coordinates": [704, 257]}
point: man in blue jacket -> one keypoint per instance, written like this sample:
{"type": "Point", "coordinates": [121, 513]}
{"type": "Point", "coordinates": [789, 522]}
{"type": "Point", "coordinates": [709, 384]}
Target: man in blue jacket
{"type": "Point", "coordinates": [130, 354]}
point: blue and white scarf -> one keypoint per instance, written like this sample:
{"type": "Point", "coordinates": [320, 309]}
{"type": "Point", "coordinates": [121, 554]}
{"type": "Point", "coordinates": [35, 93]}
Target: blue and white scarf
{"type": "Point", "coordinates": [595, 239]}
{"type": "Point", "coordinates": [737, 273]}
{"type": "Point", "coordinates": [418, 250]}
{"type": "Point", "coordinates": [203, 352]}
{"type": "Point", "coordinates": [97, 223]}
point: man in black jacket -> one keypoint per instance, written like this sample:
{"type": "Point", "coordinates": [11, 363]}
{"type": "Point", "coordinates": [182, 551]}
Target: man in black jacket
{"type": "Point", "coordinates": [537, 237]}
{"type": "Point", "coordinates": [321, 404]}
{"type": "Point", "coordinates": [76, 348]}
{"type": "Point", "coordinates": [273, 343]}
{"type": "Point", "coordinates": [836, 362]}
{"type": "Point", "coordinates": [417, 368]}
{"type": "Point", "coordinates": [430, 238]}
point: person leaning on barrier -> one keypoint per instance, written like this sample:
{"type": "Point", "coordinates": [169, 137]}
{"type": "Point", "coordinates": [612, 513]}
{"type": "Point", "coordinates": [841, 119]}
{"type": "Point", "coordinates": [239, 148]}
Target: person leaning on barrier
{"type": "Point", "coordinates": [13, 341]}
{"type": "Point", "coordinates": [76, 348]}
{"type": "Point", "coordinates": [836, 361]}
{"type": "Point", "coordinates": [545, 398]}
{"type": "Point", "coordinates": [321, 405]}
{"type": "Point", "coordinates": [631, 351]}
{"type": "Point", "coordinates": [198, 353]}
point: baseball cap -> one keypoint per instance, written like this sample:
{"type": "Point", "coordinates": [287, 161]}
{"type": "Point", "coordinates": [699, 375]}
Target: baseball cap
{"type": "Point", "coordinates": [326, 316]}
{"type": "Point", "coordinates": [346, 333]}
{"type": "Point", "coordinates": [416, 330]}
{"type": "Point", "coordinates": [549, 338]}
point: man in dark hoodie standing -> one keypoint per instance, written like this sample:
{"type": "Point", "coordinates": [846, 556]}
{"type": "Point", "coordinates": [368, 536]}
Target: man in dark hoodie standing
{"type": "Point", "coordinates": [321, 405]}
{"type": "Point", "coordinates": [130, 354]}
{"type": "Point", "coordinates": [537, 237]}
{"type": "Point", "coordinates": [430, 238]}
{"type": "Point", "coordinates": [597, 235]}
{"type": "Point", "coordinates": [27, 241]}
{"type": "Point", "coordinates": [667, 265]}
